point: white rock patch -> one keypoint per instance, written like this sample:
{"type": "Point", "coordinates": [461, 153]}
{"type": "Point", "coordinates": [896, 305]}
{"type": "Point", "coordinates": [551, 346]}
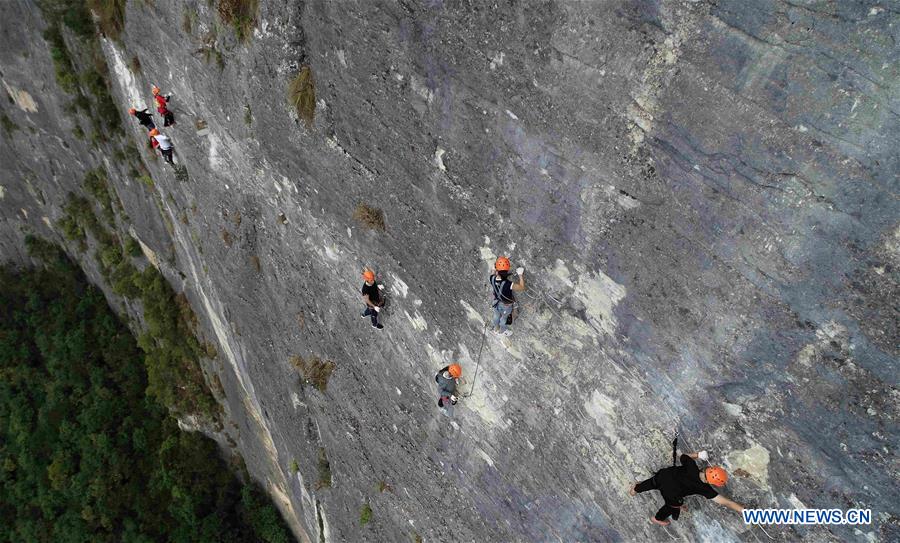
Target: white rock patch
{"type": "Point", "coordinates": [754, 461]}
{"type": "Point", "coordinates": [22, 99]}
{"type": "Point", "coordinates": [600, 295]}
{"type": "Point", "coordinates": [126, 79]}
{"type": "Point", "coordinates": [399, 287]}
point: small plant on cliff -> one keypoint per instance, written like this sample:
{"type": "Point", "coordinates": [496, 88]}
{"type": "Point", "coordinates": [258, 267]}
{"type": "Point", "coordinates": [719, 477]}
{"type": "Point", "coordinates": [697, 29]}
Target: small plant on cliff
{"type": "Point", "coordinates": [8, 125]}
{"type": "Point", "coordinates": [240, 14]}
{"type": "Point", "coordinates": [324, 470]}
{"type": "Point", "coordinates": [302, 95]}
{"type": "Point", "coordinates": [313, 370]}
{"type": "Point", "coordinates": [95, 182]}
{"type": "Point", "coordinates": [110, 16]}
{"type": "Point", "coordinates": [294, 467]}
{"type": "Point", "coordinates": [365, 514]}
{"type": "Point", "coordinates": [133, 247]}
{"type": "Point", "coordinates": [368, 216]}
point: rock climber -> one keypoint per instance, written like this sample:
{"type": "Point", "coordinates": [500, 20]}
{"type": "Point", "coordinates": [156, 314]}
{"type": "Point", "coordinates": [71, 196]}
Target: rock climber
{"type": "Point", "coordinates": [164, 143]}
{"type": "Point", "coordinates": [371, 294]}
{"type": "Point", "coordinates": [143, 117]}
{"type": "Point", "coordinates": [162, 106]}
{"type": "Point", "coordinates": [677, 482]}
{"type": "Point", "coordinates": [447, 380]}
{"type": "Point", "coordinates": [504, 297]}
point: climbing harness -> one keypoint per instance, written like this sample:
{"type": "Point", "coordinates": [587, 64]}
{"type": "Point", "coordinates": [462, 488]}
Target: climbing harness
{"type": "Point", "coordinates": [498, 291]}
{"type": "Point", "coordinates": [477, 361]}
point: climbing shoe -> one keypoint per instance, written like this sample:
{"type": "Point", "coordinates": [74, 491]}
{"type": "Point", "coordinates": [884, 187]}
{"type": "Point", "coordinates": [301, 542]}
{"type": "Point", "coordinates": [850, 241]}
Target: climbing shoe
{"type": "Point", "coordinates": [378, 326]}
{"type": "Point", "coordinates": [660, 522]}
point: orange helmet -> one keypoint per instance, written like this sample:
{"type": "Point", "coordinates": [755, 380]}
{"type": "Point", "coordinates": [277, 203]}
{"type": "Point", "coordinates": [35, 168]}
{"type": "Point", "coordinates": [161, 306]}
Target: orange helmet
{"type": "Point", "coordinates": [716, 476]}
{"type": "Point", "coordinates": [154, 132]}
{"type": "Point", "coordinates": [368, 275]}
{"type": "Point", "coordinates": [502, 264]}
{"type": "Point", "coordinates": [455, 370]}
{"type": "Point", "coordinates": [131, 111]}
{"type": "Point", "coordinates": [155, 90]}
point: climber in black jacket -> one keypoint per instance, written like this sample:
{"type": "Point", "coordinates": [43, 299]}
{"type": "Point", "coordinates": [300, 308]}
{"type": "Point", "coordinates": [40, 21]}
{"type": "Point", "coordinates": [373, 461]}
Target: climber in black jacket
{"type": "Point", "coordinates": [143, 117]}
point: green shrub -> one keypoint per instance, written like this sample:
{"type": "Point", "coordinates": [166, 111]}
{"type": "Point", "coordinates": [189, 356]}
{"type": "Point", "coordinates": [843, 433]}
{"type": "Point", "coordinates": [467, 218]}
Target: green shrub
{"type": "Point", "coordinates": [63, 68]}
{"type": "Point", "coordinates": [324, 470]}
{"type": "Point", "coordinates": [133, 247]}
{"type": "Point", "coordinates": [8, 125]}
{"type": "Point", "coordinates": [95, 182]}
{"type": "Point", "coordinates": [302, 95]}
{"type": "Point", "coordinates": [172, 352]}
{"type": "Point", "coordinates": [75, 15]}
{"type": "Point", "coordinates": [240, 14]}
{"type": "Point", "coordinates": [110, 16]}
{"type": "Point", "coordinates": [258, 513]}
{"type": "Point", "coordinates": [365, 514]}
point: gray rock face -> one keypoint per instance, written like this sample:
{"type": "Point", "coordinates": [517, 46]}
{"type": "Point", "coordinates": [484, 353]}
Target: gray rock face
{"type": "Point", "coordinates": [704, 196]}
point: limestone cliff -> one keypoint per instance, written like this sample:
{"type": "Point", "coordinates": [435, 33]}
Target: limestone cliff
{"type": "Point", "coordinates": [704, 195]}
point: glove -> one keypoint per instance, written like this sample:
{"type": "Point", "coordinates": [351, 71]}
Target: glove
{"type": "Point", "coordinates": [453, 399]}
{"type": "Point", "coordinates": [703, 455]}
{"type": "Point", "coordinates": [520, 270]}
{"type": "Point", "coordinates": [380, 287]}
{"type": "Point", "coordinates": [377, 309]}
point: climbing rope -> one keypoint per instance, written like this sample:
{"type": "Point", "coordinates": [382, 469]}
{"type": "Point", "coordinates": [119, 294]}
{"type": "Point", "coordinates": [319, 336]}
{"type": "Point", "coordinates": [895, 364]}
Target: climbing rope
{"type": "Point", "coordinates": [477, 360]}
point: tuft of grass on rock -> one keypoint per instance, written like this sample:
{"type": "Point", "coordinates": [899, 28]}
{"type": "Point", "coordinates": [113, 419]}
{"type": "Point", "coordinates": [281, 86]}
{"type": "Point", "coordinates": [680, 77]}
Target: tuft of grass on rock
{"type": "Point", "coordinates": [302, 95]}
{"type": "Point", "coordinates": [324, 470]}
{"type": "Point", "coordinates": [368, 216]}
{"type": "Point", "coordinates": [365, 514]}
{"type": "Point", "coordinates": [294, 467]}
{"type": "Point", "coordinates": [133, 247]}
{"type": "Point", "coordinates": [8, 125]}
{"type": "Point", "coordinates": [110, 16]}
{"type": "Point", "coordinates": [313, 370]}
{"type": "Point", "coordinates": [240, 14]}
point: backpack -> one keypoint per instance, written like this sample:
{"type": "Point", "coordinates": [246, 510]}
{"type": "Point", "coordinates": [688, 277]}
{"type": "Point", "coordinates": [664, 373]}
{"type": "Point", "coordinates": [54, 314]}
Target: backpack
{"type": "Point", "coordinates": [498, 291]}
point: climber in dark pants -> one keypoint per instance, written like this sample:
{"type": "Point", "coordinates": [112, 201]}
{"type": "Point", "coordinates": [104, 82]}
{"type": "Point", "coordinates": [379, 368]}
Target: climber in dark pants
{"type": "Point", "coordinates": [678, 482]}
{"type": "Point", "coordinates": [447, 380]}
{"type": "Point", "coordinates": [144, 117]}
{"type": "Point", "coordinates": [371, 294]}
{"type": "Point", "coordinates": [162, 106]}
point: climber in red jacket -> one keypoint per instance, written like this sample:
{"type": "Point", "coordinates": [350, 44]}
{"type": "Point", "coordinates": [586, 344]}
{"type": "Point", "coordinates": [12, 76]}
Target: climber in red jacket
{"type": "Point", "coordinates": [162, 106]}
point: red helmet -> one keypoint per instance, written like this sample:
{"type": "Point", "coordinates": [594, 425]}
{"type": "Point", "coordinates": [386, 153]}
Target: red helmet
{"type": "Point", "coordinates": [154, 132]}
{"type": "Point", "coordinates": [131, 111]}
{"type": "Point", "coordinates": [455, 370]}
{"type": "Point", "coordinates": [502, 264]}
{"type": "Point", "coordinates": [368, 275]}
{"type": "Point", "coordinates": [155, 90]}
{"type": "Point", "coordinates": [716, 476]}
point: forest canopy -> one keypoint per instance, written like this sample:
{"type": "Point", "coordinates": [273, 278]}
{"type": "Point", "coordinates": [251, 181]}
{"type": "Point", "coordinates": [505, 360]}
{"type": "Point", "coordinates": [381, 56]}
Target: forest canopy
{"type": "Point", "coordinates": [85, 453]}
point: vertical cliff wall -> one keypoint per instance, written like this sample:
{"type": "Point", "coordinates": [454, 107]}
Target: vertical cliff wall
{"type": "Point", "coordinates": [704, 195]}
